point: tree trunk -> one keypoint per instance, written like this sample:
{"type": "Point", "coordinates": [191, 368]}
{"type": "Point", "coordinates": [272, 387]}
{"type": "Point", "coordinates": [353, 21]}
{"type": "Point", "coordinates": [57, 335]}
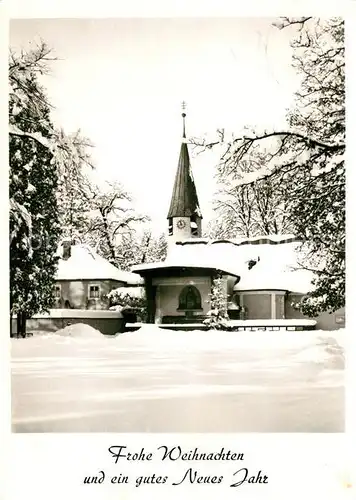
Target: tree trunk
{"type": "Point", "coordinates": [151, 300]}
{"type": "Point", "coordinates": [108, 239]}
{"type": "Point", "coordinates": [145, 249]}
{"type": "Point", "coordinates": [21, 324]}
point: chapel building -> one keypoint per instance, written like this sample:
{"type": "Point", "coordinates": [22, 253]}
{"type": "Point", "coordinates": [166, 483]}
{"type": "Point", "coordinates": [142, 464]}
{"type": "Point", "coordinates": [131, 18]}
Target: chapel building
{"type": "Point", "coordinates": [260, 275]}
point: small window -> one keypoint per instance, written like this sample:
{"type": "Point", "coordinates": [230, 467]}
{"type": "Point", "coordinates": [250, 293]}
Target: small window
{"type": "Point", "coordinates": [57, 291]}
{"type": "Point", "coordinates": [94, 291]}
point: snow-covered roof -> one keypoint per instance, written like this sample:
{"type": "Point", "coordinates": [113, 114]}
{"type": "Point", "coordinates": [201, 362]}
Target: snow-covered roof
{"type": "Point", "coordinates": [85, 264]}
{"type": "Point", "coordinates": [276, 267]}
{"type": "Point", "coordinates": [298, 281]}
{"type": "Point", "coordinates": [275, 257]}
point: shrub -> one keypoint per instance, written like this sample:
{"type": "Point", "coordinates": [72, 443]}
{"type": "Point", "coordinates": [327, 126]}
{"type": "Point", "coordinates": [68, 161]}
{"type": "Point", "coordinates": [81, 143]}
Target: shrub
{"type": "Point", "coordinates": [130, 301]}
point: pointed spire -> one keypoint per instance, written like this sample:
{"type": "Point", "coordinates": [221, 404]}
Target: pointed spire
{"type": "Point", "coordinates": [184, 202]}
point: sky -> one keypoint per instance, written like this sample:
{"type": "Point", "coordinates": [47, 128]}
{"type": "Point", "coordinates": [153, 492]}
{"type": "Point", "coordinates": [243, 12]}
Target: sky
{"type": "Point", "coordinates": [122, 81]}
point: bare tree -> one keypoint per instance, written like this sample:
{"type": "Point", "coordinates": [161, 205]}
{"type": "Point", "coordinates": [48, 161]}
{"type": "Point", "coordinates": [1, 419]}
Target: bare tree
{"type": "Point", "coordinates": [111, 221]}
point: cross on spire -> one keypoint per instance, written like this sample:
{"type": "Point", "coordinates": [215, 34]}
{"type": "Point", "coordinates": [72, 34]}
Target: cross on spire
{"type": "Point", "coordinates": [184, 105]}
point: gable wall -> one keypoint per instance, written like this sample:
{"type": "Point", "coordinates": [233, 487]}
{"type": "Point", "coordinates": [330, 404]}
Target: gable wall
{"type": "Point", "coordinates": [77, 293]}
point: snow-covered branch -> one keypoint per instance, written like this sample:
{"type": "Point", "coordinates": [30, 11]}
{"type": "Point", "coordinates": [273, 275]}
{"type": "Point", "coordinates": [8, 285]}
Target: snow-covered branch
{"type": "Point", "coordinates": [36, 136]}
{"type": "Point", "coordinates": [284, 22]}
{"type": "Point", "coordinates": [309, 141]}
{"type": "Point", "coordinates": [246, 141]}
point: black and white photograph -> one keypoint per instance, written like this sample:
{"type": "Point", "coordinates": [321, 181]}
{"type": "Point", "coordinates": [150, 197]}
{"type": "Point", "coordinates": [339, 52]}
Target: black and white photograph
{"type": "Point", "coordinates": [177, 225]}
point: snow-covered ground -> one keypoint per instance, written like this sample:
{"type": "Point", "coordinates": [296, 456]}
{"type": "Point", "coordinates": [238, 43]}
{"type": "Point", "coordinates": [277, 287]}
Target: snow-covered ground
{"type": "Point", "coordinates": [156, 380]}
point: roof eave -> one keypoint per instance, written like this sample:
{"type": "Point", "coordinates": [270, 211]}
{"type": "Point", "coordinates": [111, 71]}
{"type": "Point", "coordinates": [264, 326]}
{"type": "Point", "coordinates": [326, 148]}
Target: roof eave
{"type": "Point", "coordinates": [149, 270]}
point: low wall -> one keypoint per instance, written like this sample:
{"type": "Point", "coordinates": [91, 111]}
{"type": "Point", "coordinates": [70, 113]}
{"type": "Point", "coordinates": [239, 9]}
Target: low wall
{"type": "Point", "coordinates": [237, 325]}
{"type": "Point", "coordinates": [107, 322]}
{"type": "Point", "coordinates": [325, 321]}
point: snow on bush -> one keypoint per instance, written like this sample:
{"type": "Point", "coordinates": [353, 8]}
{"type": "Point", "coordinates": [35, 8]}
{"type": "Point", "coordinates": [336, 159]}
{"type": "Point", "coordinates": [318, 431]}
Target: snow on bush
{"type": "Point", "coordinates": [217, 316]}
{"type": "Point", "coordinates": [130, 300]}
{"type": "Point", "coordinates": [134, 292]}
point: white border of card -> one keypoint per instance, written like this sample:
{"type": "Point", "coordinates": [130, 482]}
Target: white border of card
{"type": "Point", "coordinates": [297, 465]}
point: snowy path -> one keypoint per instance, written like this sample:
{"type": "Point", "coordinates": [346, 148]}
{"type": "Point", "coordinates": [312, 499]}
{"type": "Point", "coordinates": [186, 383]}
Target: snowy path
{"type": "Point", "coordinates": [158, 381]}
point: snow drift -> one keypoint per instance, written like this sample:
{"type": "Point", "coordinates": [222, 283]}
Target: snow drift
{"type": "Point", "coordinates": [80, 330]}
{"type": "Point", "coordinates": [155, 380]}
{"type": "Point", "coordinates": [314, 346]}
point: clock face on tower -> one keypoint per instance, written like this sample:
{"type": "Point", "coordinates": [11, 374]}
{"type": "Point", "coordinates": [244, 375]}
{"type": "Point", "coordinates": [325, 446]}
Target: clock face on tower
{"type": "Point", "coordinates": [181, 224]}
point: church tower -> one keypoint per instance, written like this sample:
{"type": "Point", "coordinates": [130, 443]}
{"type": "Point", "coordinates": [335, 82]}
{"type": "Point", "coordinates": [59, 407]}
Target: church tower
{"type": "Point", "coordinates": [184, 215]}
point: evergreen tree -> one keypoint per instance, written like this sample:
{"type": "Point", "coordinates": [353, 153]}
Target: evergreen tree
{"type": "Point", "coordinates": [217, 316]}
{"type": "Point", "coordinates": [34, 227]}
